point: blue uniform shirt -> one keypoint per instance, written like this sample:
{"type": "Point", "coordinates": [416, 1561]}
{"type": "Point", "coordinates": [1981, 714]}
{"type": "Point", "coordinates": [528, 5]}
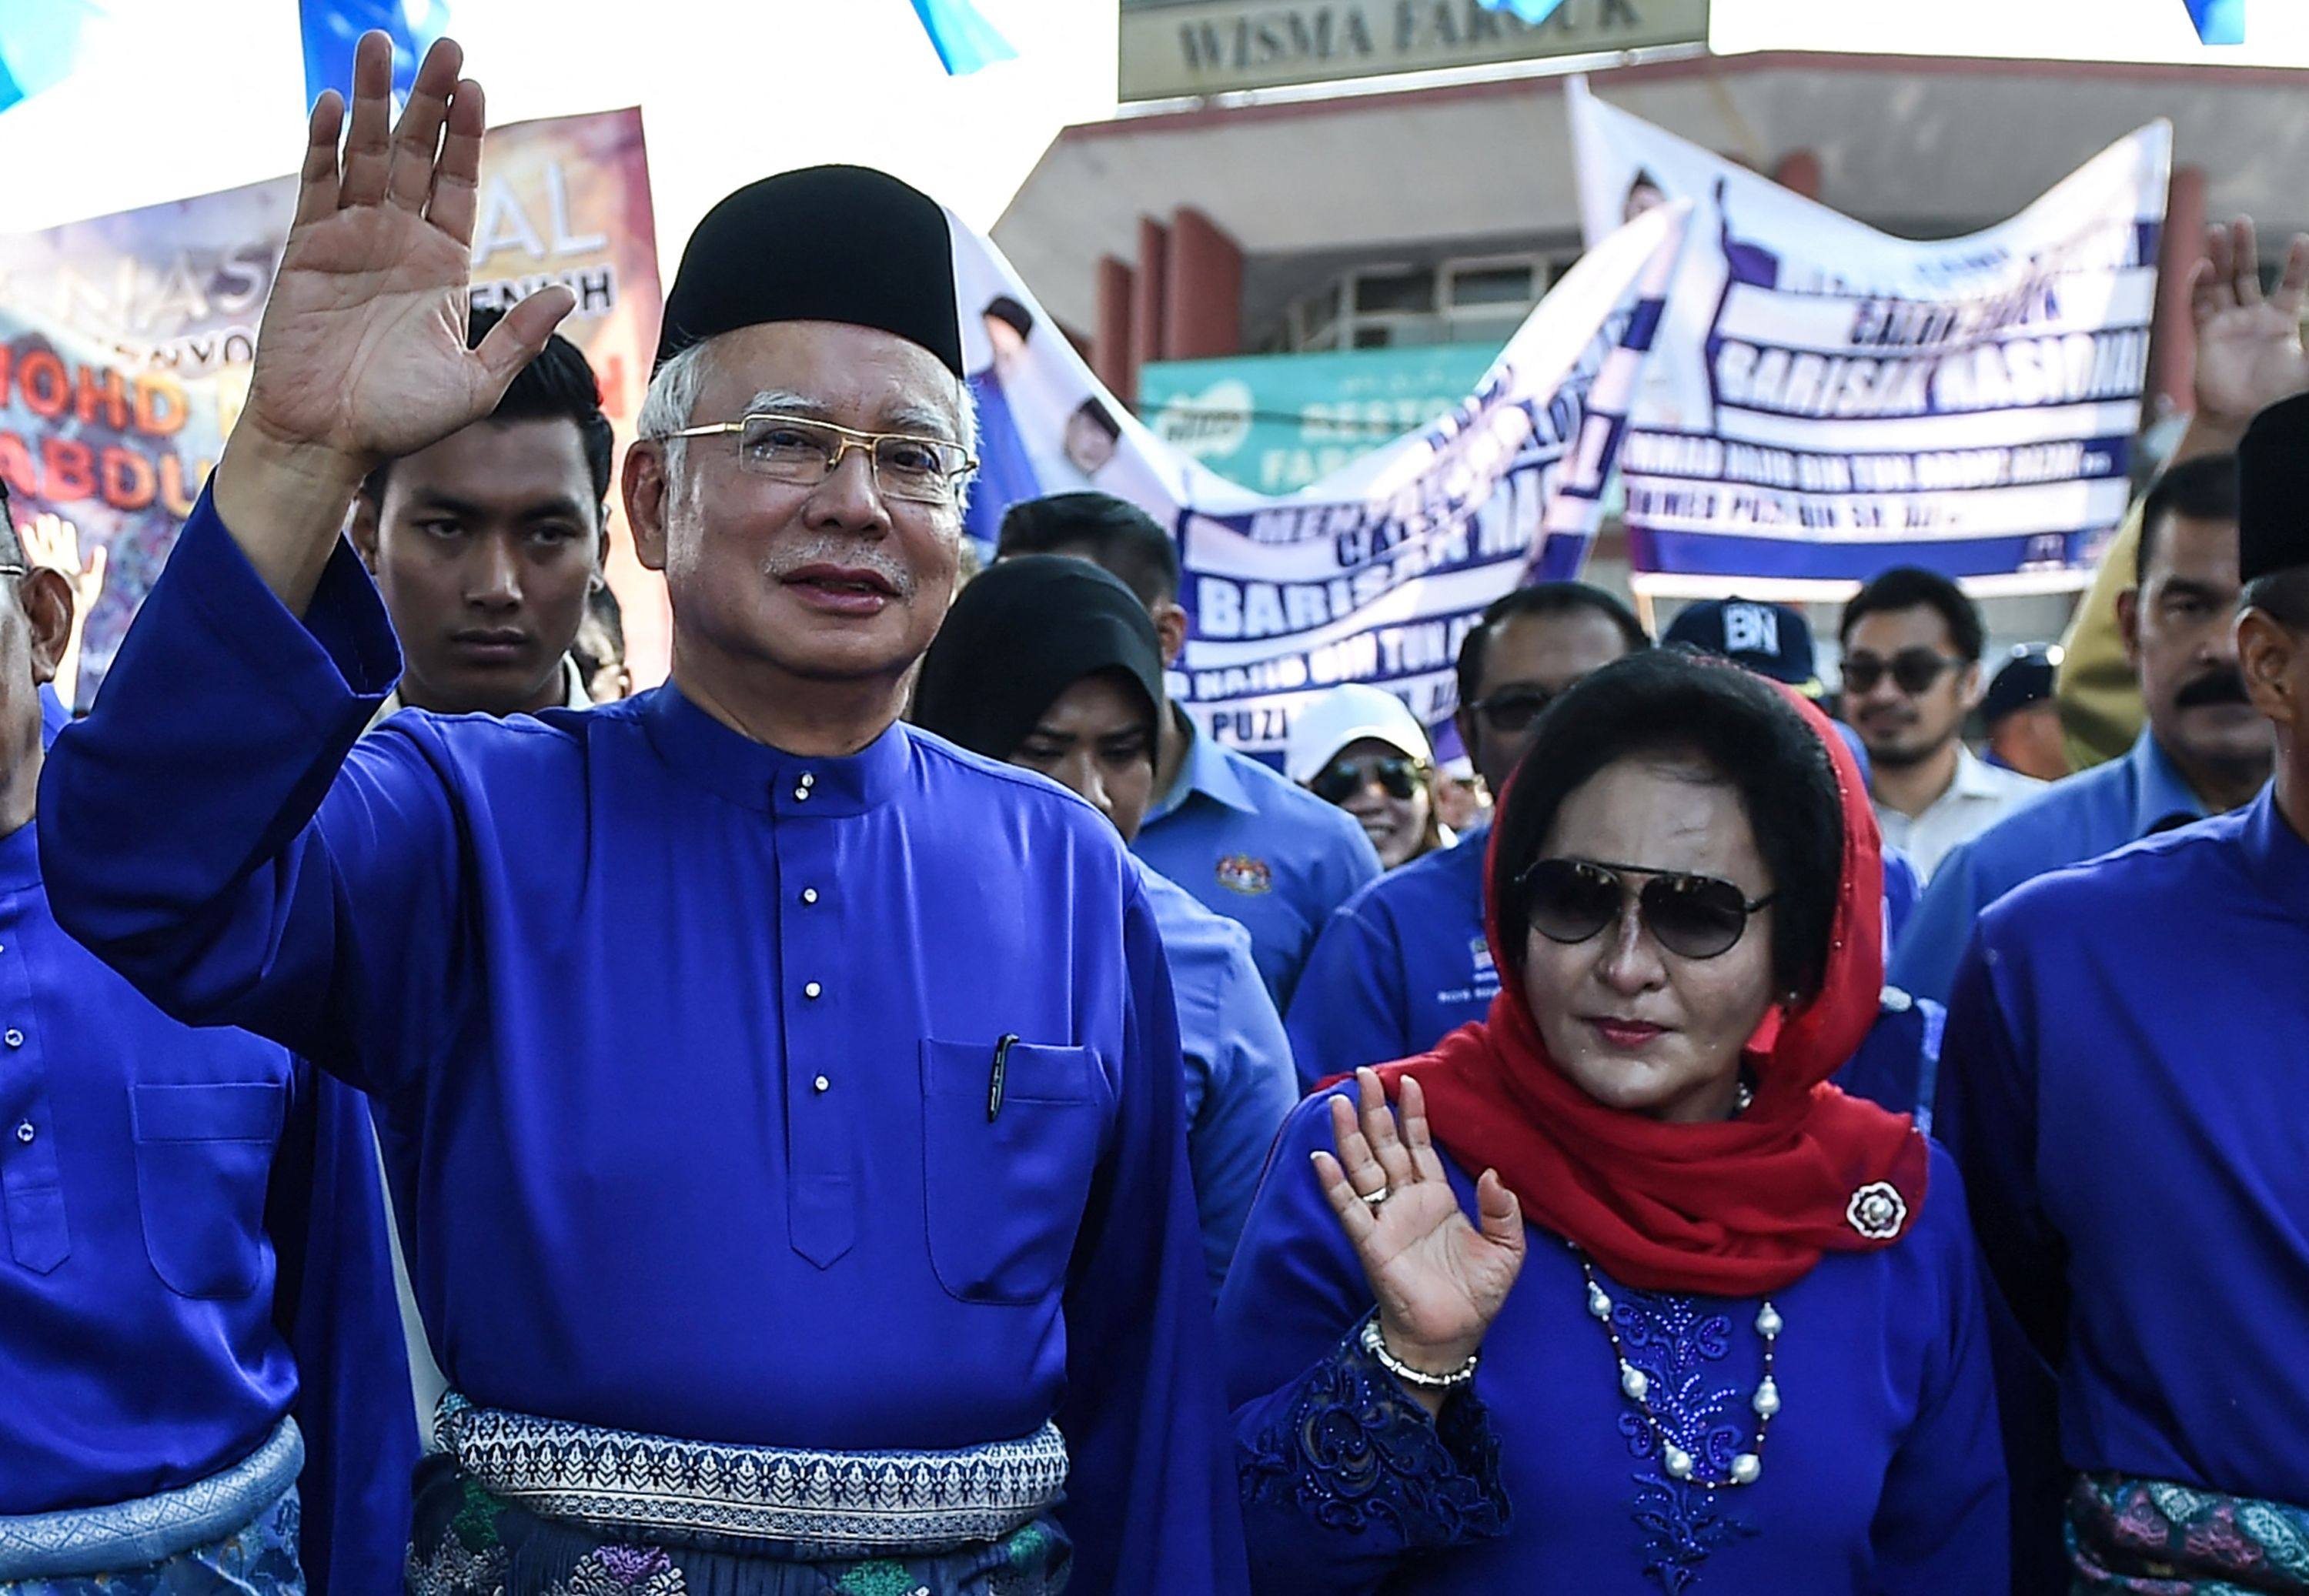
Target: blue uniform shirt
{"type": "Point", "coordinates": [1901, 891]}
{"type": "Point", "coordinates": [190, 1216]}
{"type": "Point", "coordinates": [2123, 1091]}
{"type": "Point", "coordinates": [1256, 847]}
{"type": "Point", "coordinates": [2078, 818]}
{"type": "Point", "coordinates": [1897, 1065]}
{"type": "Point", "coordinates": [734, 1095]}
{"type": "Point", "coordinates": [1401, 965]}
{"type": "Point", "coordinates": [1239, 1082]}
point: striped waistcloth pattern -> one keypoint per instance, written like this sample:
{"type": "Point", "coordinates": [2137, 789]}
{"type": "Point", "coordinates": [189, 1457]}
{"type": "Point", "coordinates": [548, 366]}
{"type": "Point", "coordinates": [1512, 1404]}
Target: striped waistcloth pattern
{"type": "Point", "coordinates": [853, 1503]}
{"type": "Point", "coordinates": [151, 1528]}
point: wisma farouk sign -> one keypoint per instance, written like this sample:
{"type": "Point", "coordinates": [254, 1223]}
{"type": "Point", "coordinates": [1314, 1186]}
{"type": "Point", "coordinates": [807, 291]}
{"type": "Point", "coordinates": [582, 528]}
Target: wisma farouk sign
{"type": "Point", "coordinates": [1206, 47]}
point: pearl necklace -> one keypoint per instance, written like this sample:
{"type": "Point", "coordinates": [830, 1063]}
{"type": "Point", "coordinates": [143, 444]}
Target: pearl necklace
{"type": "Point", "coordinates": [1748, 1467]}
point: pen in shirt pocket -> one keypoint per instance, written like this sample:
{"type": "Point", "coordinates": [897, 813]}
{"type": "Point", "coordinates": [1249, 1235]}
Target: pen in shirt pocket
{"type": "Point", "coordinates": [994, 1077]}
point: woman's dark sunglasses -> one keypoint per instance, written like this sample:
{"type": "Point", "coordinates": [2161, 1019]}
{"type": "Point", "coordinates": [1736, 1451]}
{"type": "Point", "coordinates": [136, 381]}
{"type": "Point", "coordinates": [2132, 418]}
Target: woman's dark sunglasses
{"type": "Point", "coordinates": [1398, 774]}
{"type": "Point", "coordinates": [1912, 669]}
{"type": "Point", "coordinates": [1692, 916]}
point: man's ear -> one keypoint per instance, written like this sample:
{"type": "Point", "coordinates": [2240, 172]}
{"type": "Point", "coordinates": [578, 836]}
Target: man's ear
{"type": "Point", "coordinates": [2128, 625]}
{"type": "Point", "coordinates": [363, 531]}
{"type": "Point", "coordinates": [2266, 650]}
{"type": "Point", "coordinates": [602, 544]}
{"type": "Point", "coordinates": [646, 485]}
{"type": "Point", "coordinates": [45, 598]}
{"type": "Point", "coordinates": [1969, 687]}
{"type": "Point", "coordinates": [1170, 629]}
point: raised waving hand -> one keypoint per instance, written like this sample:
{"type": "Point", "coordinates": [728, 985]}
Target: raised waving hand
{"type": "Point", "coordinates": [1439, 1280]}
{"type": "Point", "coordinates": [361, 354]}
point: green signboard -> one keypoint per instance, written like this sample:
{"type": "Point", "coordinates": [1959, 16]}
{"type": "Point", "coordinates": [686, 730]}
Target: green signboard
{"type": "Point", "coordinates": [1277, 422]}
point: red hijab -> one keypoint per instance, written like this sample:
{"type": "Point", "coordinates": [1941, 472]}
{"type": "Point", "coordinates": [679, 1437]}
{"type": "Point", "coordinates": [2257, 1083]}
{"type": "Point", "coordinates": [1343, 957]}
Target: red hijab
{"type": "Point", "coordinates": [1732, 1209]}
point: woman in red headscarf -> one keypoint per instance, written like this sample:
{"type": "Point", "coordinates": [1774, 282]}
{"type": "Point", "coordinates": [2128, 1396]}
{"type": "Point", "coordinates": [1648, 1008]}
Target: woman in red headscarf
{"type": "Point", "coordinates": [1620, 1296]}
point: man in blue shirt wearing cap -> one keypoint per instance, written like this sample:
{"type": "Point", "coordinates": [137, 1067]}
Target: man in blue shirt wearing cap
{"type": "Point", "coordinates": [1405, 961]}
{"type": "Point", "coordinates": [2021, 716]}
{"type": "Point", "coordinates": [1246, 842]}
{"type": "Point", "coordinates": [2204, 749]}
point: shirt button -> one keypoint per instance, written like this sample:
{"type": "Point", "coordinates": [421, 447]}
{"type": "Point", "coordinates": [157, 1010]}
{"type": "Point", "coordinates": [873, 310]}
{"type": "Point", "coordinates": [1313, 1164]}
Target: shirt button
{"type": "Point", "coordinates": [802, 795]}
{"type": "Point", "coordinates": [25, 1133]}
{"type": "Point", "coordinates": [809, 894]}
{"type": "Point", "coordinates": [808, 780]}
{"type": "Point", "coordinates": [13, 1036]}
{"type": "Point", "coordinates": [812, 990]}
{"type": "Point", "coordinates": [821, 1084]}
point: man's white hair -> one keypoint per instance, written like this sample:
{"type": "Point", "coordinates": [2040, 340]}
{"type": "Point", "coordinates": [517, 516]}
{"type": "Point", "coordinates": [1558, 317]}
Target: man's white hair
{"type": "Point", "coordinates": [671, 404]}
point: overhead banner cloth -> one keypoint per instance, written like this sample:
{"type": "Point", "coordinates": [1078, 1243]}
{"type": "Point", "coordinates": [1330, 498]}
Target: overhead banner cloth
{"type": "Point", "coordinates": [1377, 571]}
{"type": "Point", "coordinates": [1827, 401]}
{"type": "Point", "coordinates": [125, 341]}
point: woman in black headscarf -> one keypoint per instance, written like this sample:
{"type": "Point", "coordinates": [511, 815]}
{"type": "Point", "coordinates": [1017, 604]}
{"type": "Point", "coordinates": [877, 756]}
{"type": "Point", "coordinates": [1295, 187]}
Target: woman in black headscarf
{"type": "Point", "coordinates": [1051, 663]}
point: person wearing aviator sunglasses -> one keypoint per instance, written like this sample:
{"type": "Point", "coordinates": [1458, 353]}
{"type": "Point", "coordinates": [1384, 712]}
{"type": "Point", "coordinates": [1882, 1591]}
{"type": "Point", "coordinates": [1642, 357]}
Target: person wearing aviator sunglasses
{"type": "Point", "coordinates": [1406, 961]}
{"type": "Point", "coordinates": [1612, 1285]}
{"type": "Point", "coordinates": [1361, 748]}
{"type": "Point", "coordinates": [1912, 645]}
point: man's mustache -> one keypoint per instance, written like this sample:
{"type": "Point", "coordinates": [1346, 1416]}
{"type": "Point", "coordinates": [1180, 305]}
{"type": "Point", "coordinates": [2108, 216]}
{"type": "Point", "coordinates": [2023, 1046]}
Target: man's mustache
{"type": "Point", "coordinates": [2225, 685]}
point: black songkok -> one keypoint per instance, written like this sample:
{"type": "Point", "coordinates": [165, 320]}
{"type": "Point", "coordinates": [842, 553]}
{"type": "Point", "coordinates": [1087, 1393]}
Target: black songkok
{"type": "Point", "coordinates": [825, 244]}
{"type": "Point", "coordinates": [2273, 490]}
{"type": "Point", "coordinates": [1019, 635]}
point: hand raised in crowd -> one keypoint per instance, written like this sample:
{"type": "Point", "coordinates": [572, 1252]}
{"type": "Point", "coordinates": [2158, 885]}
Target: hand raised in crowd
{"type": "Point", "coordinates": [361, 354]}
{"type": "Point", "coordinates": [2249, 352]}
{"type": "Point", "coordinates": [53, 541]}
{"type": "Point", "coordinates": [1439, 1280]}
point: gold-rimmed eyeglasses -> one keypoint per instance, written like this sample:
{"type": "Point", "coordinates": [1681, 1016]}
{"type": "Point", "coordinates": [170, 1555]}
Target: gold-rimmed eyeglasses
{"type": "Point", "coordinates": [804, 452]}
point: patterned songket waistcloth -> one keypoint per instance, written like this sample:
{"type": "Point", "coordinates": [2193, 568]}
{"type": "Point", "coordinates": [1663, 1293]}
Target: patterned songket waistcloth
{"type": "Point", "coordinates": [2134, 1537]}
{"type": "Point", "coordinates": [515, 1505]}
{"type": "Point", "coordinates": [232, 1534]}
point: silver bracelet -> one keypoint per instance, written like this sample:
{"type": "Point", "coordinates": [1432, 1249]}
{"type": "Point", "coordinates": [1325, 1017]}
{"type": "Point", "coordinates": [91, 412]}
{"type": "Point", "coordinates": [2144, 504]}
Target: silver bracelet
{"type": "Point", "coordinates": [1375, 1344]}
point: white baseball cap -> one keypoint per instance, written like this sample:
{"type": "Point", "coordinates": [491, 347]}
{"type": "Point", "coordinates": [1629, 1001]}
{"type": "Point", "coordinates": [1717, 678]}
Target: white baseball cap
{"type": "Point", "coordinates": [1348, 714]}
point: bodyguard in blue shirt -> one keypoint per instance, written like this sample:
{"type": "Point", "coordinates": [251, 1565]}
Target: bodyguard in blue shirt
{"type": "Point", "coordinates": [2123, 1095]}
{"type": "Point", "coordinates": [1244, 842]}
{"type": "Point", "coordinates": [197, 1331]}
{"type": "Point", "coordinates": [2203, 749]}
{"type": "Point", "coordinates": [1053, 664]}
{"type": "Point", "coordinates": [1405, 959]}
{"type": "Point", "coordinates": [787, 1102]}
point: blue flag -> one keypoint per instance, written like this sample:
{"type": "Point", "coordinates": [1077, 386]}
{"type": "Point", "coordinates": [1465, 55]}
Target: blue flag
{"type": "Point", "coordinates": [964, 40]}
{"type": "Point", "coordinates": [1530, 11]}
{"type": "Point", "coordinates": [2219, 21]}
{"type": "Point", "coordinates": [334, 27]}
{"type": "Point", "coordinates": [38, 43]}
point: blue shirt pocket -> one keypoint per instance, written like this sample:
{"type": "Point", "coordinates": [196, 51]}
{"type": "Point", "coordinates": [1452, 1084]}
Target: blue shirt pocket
{"type": "Point", "coordinates": [204, 1157]}
{"type": "Point", "coordinates": [1005, 1180]}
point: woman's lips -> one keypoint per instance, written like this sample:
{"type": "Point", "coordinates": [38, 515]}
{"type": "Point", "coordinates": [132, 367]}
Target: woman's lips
{"type": "Point", "coordinates": [1626, 1034]}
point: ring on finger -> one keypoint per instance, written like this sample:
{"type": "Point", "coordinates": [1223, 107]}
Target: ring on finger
{"type": "Point", "coordinates": [1373, 1199]}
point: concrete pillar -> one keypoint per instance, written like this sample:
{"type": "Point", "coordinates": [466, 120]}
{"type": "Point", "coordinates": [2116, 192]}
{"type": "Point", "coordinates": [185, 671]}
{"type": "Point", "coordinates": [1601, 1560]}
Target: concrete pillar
{"type": "Point", "coordinates": [2172, 336]}
{"type": "Point", "coordinates": [1798, 172]}
{"type": "Point", "coordinates": [1150, 299]}
{"type": "Point", "coordinates": [1204, 319]}
{"type": "Point", "coordinates": [1110, 352]}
